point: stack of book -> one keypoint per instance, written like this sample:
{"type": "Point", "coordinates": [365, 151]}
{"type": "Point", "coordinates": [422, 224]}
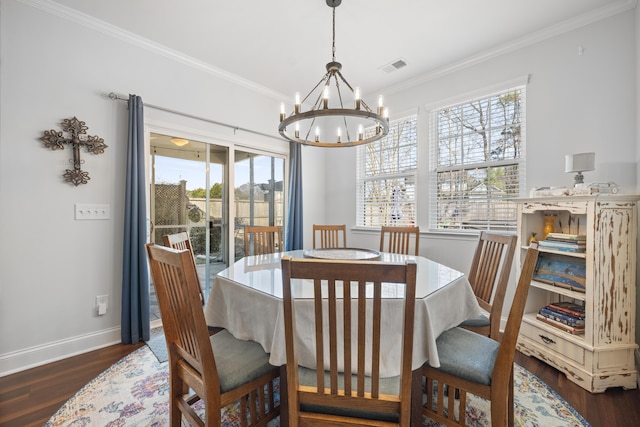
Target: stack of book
{"type": "Point", "coordinates": [564, 242]}
{"type": "Point", "coordinates": [566, 316]}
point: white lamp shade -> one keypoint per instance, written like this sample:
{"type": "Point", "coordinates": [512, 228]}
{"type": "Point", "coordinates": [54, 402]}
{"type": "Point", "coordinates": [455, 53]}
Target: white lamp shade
{"type": "Point", "coordinates": [579, 162]}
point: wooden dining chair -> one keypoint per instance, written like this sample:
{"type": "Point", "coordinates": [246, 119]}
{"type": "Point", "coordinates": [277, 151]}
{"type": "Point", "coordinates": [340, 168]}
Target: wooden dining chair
{"type": "Point", "coordinates": [476, 364]}
{"type": "Point", "coordinates": [329, 236]}
{"type": "Point", "coordinates": [397, 240]}
{"type": "Point", "coordinates": [347, 389]}
{"type": "Point", "coordinates": [260, 240]}
{"type": "Point", "coordinates": [181, 241]}
{"type": "Point", "coordinates": [220, 369]}
{"type": "Point", "coordinates": [489, 278]}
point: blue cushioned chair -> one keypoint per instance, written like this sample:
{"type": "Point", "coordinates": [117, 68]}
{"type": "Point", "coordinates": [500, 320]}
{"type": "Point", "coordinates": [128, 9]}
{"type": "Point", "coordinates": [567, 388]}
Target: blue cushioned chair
{"type": "Point", "coordinates": [473, 363]}
{"type": "Point", "coordinates": [325, 396]}
{"type": "Point", "coordinates": [220, 369]}
{"type": "Point", "coordinates": [489, 277]}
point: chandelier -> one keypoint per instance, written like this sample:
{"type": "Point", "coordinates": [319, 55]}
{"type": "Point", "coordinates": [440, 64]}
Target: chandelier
{"type": "Point", "coordinates": [347, 122]}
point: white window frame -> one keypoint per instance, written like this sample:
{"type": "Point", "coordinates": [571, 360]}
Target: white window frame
{"type": "Point", "coordinates": [506, 206]}
{"type": "Point", "coordinates": [396, 205]}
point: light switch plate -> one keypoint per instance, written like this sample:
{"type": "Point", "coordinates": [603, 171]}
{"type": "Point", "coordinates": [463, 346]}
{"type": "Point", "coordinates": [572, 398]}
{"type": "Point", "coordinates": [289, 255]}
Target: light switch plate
{"type": "Point", "coordinates": [92, 211]}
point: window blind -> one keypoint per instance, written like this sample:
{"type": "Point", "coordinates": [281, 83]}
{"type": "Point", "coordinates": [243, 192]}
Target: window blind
{"type": "Point", "coordinates": [386, 177]}
{"type": "Point", "coordinates": [477, 153]}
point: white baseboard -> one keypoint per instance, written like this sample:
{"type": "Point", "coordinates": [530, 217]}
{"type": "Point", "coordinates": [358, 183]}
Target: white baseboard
{"type": "Point", "coordinates": [17, 361]}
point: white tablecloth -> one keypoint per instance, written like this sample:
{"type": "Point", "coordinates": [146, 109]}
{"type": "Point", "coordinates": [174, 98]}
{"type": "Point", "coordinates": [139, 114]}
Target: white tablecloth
{"type": "Point", "coordinates": [246, 300]}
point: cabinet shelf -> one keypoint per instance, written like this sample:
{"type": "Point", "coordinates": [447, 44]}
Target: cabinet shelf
{"type": "Point", "coordinates": [559, 290]}
{"type": "Point", "coordinates": [582, 255]}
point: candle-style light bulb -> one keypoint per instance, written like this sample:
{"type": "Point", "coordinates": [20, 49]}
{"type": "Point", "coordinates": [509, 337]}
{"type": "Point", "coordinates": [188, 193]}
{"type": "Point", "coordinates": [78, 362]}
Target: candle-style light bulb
{"type": "Point", "coordinates": [297, 132]}
{"type": "Point", "coordinates": [380, 105]}
{"type": "Point", "coordinates": [339, 134]}
{"type": "Point", "coordinates": [360, 133]}
{"type": "Point", "coordinates": [385, 114]}
{"type": "Point", "coordinates": [357, 98]}
{"type": "Point", "coordinates": [325, 97]}
{"type": "Point", "coordinates": [296, 106]}
{"type": "Point", "coordinates": [317, 133]}
{"type": "Point", "coordinates": [283, 115]}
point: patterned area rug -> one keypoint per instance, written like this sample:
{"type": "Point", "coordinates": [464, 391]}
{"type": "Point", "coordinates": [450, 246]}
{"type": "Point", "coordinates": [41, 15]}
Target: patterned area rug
{"type": "Point", "coordinates": [134, 391]}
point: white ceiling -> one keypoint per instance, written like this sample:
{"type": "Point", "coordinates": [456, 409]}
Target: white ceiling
{"type": "Point", "coordinates": [284, 45]}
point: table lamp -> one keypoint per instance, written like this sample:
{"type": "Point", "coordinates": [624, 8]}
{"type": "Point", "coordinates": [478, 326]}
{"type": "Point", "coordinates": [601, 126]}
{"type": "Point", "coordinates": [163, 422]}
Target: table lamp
{"type": "Point", "coordinates": [581, 162]}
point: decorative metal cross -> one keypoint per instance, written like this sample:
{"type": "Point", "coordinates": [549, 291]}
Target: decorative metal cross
{"type": "Point", "coordinates": [56, 140]}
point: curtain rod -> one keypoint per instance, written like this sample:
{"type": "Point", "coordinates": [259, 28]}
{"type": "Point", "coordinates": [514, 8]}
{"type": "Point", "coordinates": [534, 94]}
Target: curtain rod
{"type": "Point", "coordinates": [115, 97]}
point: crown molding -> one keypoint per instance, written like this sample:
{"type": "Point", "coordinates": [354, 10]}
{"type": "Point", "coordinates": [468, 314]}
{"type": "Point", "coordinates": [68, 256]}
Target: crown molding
{"type": "Point", "coordinates": [85, 20]}
{"type": "Point", "coordinates": [576, 22]}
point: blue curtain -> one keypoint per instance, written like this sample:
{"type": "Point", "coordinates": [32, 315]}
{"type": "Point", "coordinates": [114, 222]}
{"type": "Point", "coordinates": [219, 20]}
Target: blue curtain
{"type": "Point", "coordinates": [294, 227]}
{"type": "Point", "coordinates": [135, 279]}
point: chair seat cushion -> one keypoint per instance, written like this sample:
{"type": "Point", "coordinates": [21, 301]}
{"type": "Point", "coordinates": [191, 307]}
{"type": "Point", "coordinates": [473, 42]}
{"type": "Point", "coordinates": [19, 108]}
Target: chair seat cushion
{"type": "Point", "coordinates": [476, 322]}
{"type": "Point", "coordinates": [467, 355]}
{"type": "Point", "coordinates": [238, 361]}
{"type": "Point", "coordinates": [307, 377]}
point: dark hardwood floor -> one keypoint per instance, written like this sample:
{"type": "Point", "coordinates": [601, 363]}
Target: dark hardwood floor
{"type": "Point", "coordinates": [29, 398]}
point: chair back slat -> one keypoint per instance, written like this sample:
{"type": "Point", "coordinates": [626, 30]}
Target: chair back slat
{"type": "Point", "coordinates": [329, 236]}
{"type": "Point", "coordinates": [181, 241]}
{"type": "Point", "coordinates": [489, 276]}
{"type": "Point", "coordinates": [348, 297]}
{"type": "Point", "coordinates": [398, 240]}
{"type": "Point", "coordinates": [260, 240]}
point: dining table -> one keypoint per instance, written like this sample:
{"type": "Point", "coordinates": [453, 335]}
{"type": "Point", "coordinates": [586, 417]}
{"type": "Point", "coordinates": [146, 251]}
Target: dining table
{"type": "Point", "coordinates": [246, 299]}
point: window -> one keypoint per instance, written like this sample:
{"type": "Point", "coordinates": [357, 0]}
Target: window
{"type": "Point", "coordinates": [477, 162]}
{"type": "Point", "coordinates": [386, 177]}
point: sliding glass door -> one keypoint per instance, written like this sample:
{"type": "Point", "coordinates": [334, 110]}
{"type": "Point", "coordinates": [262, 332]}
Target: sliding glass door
{"type": "Point", "coordinates": [188, 193]}
{"type": "Point", "coordinates": [190, 190]}
{"type": "Point", "coordinates": [258, 193]}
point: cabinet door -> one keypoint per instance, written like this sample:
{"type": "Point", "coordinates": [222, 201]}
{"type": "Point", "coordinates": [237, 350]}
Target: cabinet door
{"type": "Point", "coordinates": [614, 273]}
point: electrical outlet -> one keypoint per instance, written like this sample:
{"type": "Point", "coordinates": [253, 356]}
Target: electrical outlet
{"type": "Point", "coordinates": [87, 211]}
{"type": "Point", "coordinates": [102, 304]}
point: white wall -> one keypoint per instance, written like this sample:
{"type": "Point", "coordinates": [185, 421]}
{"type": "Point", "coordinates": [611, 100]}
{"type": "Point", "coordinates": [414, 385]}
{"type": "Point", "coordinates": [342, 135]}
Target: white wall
{"type": "Point", "coordinates": [53, 66]}
{"type": "Point", "coordinates": [575, 103]}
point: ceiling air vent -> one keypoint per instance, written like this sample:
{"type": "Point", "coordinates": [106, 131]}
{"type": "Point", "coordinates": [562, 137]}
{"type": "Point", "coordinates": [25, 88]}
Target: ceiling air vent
{"type": "Point", "coordinates": [393, 66]}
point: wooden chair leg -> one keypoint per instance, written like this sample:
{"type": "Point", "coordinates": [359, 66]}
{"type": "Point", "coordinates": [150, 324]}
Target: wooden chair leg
{"type": "Point", "coordinates": [511, 402]}
{"type": "Point", "coordinates": [284, 400]}
{"type": "Point", "coordinates": [416, 398]}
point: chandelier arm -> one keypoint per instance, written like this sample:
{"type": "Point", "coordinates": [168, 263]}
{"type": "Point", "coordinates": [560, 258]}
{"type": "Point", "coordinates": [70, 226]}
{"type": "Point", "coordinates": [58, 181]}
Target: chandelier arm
{"type": "Point", "coordinates": [344, 80]}
{"type": "Point", "coordinates": [362, 103]}
{"type": "Point", "coordinates": [322, 80]}
{"type": "Point", "coordinates": [306, 137]}
{"type": "Point", "coordinates": [344, 118]}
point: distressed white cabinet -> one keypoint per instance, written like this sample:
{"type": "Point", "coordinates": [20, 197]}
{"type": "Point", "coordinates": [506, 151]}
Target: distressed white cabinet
{"type": "Point", "coordinates": [603, 356]}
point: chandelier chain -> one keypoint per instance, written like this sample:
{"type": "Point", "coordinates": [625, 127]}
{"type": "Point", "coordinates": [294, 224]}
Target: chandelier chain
{"type": "Point", "coordinates": [333, 46]}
